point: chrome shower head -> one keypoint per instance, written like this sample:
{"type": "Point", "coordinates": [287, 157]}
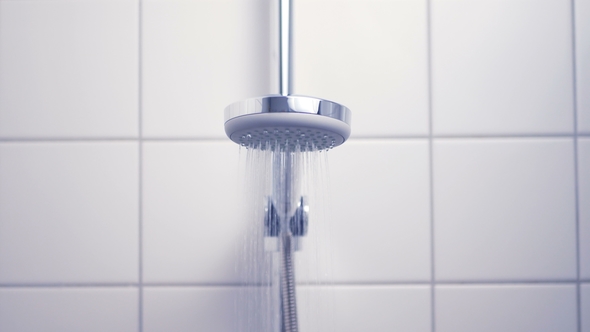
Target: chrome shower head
{"type": "Point", "coordinates": [287, 123]}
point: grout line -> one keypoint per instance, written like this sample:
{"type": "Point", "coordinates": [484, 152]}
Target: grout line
{"type": "Point", "coordinates": [187, 139]}
{"type": "Point", "coordinates": [450, 282]}
{"type": "Point", "coordinates": [131, 284]}
{"type": "Point", "coordinates": [506, 282]}
{"type": "Point", "coordinates": [430, 166]}
{"type": "Point", "coordinates": [528, 282]}
{"type": "Point", "coordinates": [306, 284]}
{"type": "Point", "coordinates": [66, 139]}
{"type": "Point", "coordinates": [140, 164]}
{"type": "Point", "coordinates": [107, 139]}
{"type": "Point", "coordinates": [464, 136]}
{"type": "Point", "coordinates": [211, 139]}
{"type": "Point", "coordinates": [576, 172]}
{"type": "Point", "coordinates": [205, 284]}
{"type": "Point", "coordinates": [70, 285]}
{"type": "Point", "coordinates": [382, 137]}
{"type": "Point", "coordinates": [488, 136]}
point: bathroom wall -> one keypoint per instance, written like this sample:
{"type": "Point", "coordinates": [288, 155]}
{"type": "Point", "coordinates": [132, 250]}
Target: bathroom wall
{"type": "Point", "coordinates": [461, 202]}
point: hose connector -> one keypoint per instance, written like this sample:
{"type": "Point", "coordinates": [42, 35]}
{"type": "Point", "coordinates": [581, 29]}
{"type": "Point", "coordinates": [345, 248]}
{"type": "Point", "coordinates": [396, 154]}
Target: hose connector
{"type": "Point", "coordinates": [297, 224]}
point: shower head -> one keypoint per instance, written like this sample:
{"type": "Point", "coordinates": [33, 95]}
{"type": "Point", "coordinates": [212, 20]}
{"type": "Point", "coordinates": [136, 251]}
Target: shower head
{"type": "Point", "coordinates": [287, 123]}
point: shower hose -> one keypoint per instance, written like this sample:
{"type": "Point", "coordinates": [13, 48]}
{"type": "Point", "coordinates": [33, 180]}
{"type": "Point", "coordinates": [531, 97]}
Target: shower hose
{"type": "Point", "coordinates": [287, 284]}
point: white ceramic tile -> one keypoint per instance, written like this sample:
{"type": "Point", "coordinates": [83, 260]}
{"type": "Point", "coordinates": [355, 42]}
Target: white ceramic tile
{"type": "Point", "coordinates": [502, 67]}
{"type": "Point", "coordinates": [343, 308]}
{"type": "Point", "coordinates": [198, 57]}
{"type": "Point", "coordinates": [364, 308]}
{"type": "Point", "coordinates": [216, 309]}
{"type": "Point", "coordinates": [378, 215]}
{"type": "Point", "coordinates": [68, 309]}
{"type": "Point", "coordinates": [584, 204]}
{"type": "Point", "coordinates": [582, 8]}
{"type": "Point", "coordinates": [585, 309]}
{"type": "Point", "coordinates": [368, 55]}
{"type": "Point", "coordinates": [504, 209]}
{"type": "Point", "coordinates": [509, 308]}
{"type": "Point", "coordinates": [194, 228]}
{"type": "Point", "coordinates": [69, 68]}
{"type": "Point", "coordinates": [68, 212]}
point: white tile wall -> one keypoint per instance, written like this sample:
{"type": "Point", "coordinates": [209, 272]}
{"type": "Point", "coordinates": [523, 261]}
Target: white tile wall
{"type": "Point", "coordinates": [492, 194]}
{"type": "Point", "coordinates": [68, 212]}
{"type": "Point", "coordinates": [585, 310]}
{"type": "Point", "coordinates": [501, 67]}
{"type": "Point", "coordinates": [584, 205]}
{"type": "Point", "coordinates": [198, 57]}
{"type": "Point", "coordinates": [510, 308]}
{"type": "Point", "coordinates": [380, 224]}
{"type": "Point", "coordinates": [192, 225]}
{"type": "Point", "coordinates": [368, 55]}
{"type": "Point", "coordinates": [582, 17]}
{"type": "Point", "coordinates": [199, 309]}
{"type": "Point", "coordinates": [65, 72]}
{"type": "Point", "coordinates": [365, 308]}
{"type": "Point", "coordinates": [121, 205]}
{"type": "Point", "coordinates": [68, 309]}
{"type": "Point", "coordinates": [352, 308]}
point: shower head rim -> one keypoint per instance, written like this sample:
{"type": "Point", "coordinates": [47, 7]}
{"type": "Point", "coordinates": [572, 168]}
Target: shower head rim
{"type": "Point", "coordinates": [287, 123]}
{"type": "Point", "coordinates": [288, 104]}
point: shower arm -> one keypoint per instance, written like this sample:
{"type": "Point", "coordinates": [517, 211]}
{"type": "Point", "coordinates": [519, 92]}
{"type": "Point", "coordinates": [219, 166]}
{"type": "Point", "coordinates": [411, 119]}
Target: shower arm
{"type": "Point", "coordinates": [285, 194]}
{"type": "Point", "coordinates": [283, 189]}
{"type": "Point", "coordinates": [286, 126]}
{"type": "Point", "coordinates": [285, 47]}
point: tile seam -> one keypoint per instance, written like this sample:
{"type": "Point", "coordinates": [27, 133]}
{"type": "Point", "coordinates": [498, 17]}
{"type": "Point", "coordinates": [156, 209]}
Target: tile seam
{"type": "Point", "coordinates": [140, 164]}
{"type": "Point", "coordinates": [217, 140]}
{"type": "Point", "coordinates": [430, 164]}
{"type": "Point", "coordinates": [576, 169]}
{"type": "Point", "coordinates": [322, 284]}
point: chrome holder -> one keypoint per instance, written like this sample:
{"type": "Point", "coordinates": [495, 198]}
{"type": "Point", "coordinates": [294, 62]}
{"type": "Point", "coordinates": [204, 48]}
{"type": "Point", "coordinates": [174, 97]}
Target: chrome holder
{"type": "Point", "coordinates": [297, 225]}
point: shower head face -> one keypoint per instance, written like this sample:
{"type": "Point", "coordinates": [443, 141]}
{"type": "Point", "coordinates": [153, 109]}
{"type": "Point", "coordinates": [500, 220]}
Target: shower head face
{"type": "Point", "coordinates": [287, 123]}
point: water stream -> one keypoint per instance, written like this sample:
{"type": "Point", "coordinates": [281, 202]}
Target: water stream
{"type": "Point", "coordinates": [274, 176]}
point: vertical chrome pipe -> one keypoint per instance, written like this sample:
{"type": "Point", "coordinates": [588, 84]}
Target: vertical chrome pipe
{"type": "Point", "coordinates": [284, 177]}
{"type": "Point", "coordinates": [285, 49]}
{"type": "Point", "coordinates": [284, 183]}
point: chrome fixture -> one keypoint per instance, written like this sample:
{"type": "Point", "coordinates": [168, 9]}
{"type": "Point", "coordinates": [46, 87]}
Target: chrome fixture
{"type": "Point", "coordinates": [286, 125]}
{"type": "Point", "coordinates": [287, 121]}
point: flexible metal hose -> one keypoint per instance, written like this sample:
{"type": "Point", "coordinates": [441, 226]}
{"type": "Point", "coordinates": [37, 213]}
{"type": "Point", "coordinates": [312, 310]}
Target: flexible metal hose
{"type": "Point", "coordinates": [288, 298]}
